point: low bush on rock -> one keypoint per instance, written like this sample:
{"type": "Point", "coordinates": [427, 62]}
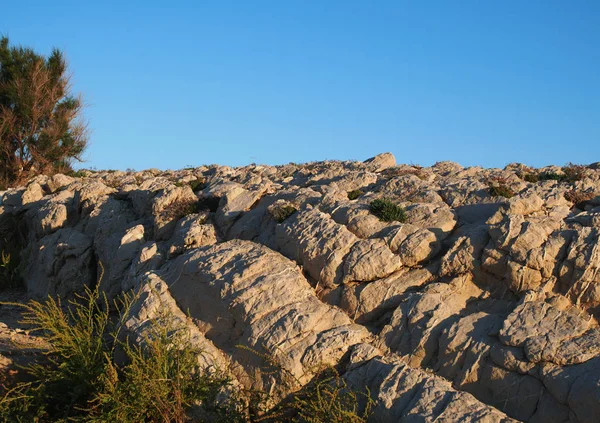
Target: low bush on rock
{"type": "Point", "coordinates": [387, 211]}
{"type": "Point", "coordinates": [531, 177]}
{"type": "Point", "coordinates": [579, 198]}
{"type": "Point", "coordinates": [9, 271]}
{"type": "Point", "coordinates": [281, 210]}
{"type": "Point", "coordinates": [353, 195]}
{"type": "Point", "coordinates": [329, 399]}
{"type": "Point", "coordinates": [570, 173]}
{"type": "Point", "coordinates": [397, 171]}
{"type": "Point", "coordinates": [573, 172]}
{"type": "Point", "coordinates": [195, 185]}
{"type": "Point", "coordinates": [179, 208]}
{"type": "Point", "coordinates": [80, 379]}
{"type": "Point", "coordinates": [499, 187]}
{"type": "Point", "coordinates": [501, 191]}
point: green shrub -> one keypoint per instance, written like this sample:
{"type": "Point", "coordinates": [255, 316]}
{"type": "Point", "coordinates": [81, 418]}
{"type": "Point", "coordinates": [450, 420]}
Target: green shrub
{"type": "Point", "coordinates": [179, 208]}
{"type": "Point", "coordinates": [531, 177]}
{"type": "Point", "coordinates": [573, 172]}
{"type": "Point", "coordinates": [197, 184]}
{"type": "Point", "coordinates": [80, 381]}
{"type": "Point", "coordinates": [501, 191]}
{"type": "Point", "coordinates": [353, 195]}
{"type": "Point", "coordinates": [80, 173]}
{"type": "Point", "coordinates": [387, 211]}
{"type": "Point", "coordinates": [579, 198]}
{"type": "Point", "coordinates": [551, 176]}
{"type": "Point", "coordinates": [159, 381]}
{"type": "Point", "coordinates": [329, 399]}
{"type": "Point", "coordinates": [280, 212]}
{"type": "Point", "coordinates": [397, 171]}
{"type": "Point", "coordinates": [9, 271]}
{"type": "Point", "coordinates": [62, 384]}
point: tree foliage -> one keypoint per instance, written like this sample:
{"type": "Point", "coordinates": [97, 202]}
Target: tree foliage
{"type": "Point", "coordinates": [41, 130]}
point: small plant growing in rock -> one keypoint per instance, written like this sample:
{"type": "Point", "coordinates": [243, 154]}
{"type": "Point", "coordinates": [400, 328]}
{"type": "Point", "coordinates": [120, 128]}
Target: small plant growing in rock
{"type": "Point", "coordinates": [551, 176]}
{"type": "Point", "coordinates": [570, 173]}
{"type": "Point", "coordinates": [179, 208]}
{"type": "Point", "coordinates": [579, 198]}
{"type": "Point", "coordinates": [573, 172]}
{"type": "Point", "coordinates": [197, 184]}
{"type": "Point", "coordinates": [329, 399]}
{"type": "Point", "coordinates": [531, 177]}
{"type": "Point", "coordinates": [387, 211]}
{"type": "Point", "coordinates": [81, 381]}
{"type": "Point", "coordinates": [354, 194]}
{"type": "Point", "coordinates": [9, 271]}
{"type": "Point", "coordinates": [405, 170]}
{"type": "Point", "coordinates": [281, 210]}
{"type": "Point", "coordinates": [501, 191]}
{"type": "Point", "coordinates": [80, 173]}
{"type": "Point", "coordinates": [499, 187]}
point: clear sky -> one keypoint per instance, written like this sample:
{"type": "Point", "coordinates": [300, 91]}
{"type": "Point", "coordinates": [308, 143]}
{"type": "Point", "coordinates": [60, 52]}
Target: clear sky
{"type": "Point", "coordinates": [177, 83]}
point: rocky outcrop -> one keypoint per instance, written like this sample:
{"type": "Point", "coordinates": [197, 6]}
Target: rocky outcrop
{"type": "Point", "coordinates": [482, 305]}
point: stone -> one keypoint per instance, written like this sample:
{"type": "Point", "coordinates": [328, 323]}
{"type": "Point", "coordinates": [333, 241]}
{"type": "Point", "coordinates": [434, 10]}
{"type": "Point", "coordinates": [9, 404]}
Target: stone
{"type": "Point", "coordinates": [381, 162]}
{"type": "Point", "coordinates": [313, 239]}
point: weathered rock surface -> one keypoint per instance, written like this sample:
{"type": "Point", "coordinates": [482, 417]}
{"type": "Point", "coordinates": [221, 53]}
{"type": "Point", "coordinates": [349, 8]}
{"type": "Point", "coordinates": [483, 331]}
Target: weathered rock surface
{"type": "Point", "coordinates": [477, 308]}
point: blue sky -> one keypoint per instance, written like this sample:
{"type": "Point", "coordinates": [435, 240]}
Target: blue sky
{"type": "Point", "coordinates": [178, 83]}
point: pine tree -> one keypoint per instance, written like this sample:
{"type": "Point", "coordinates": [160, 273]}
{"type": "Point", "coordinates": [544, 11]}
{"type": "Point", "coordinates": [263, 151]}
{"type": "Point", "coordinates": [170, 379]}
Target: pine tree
{"type": "Point", "coordinates": [41, 130]}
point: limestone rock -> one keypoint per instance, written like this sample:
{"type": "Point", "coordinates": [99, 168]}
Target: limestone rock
{"type": "Point", "coordinates": [239, 292]}
{"type": "Point", "coordinates": [381, 162]}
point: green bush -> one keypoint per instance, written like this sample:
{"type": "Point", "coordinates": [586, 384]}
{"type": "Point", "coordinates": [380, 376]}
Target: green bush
{"type": "Point", "coordinates": [80, 173]}
{"type": "Point", "coordinates": [531, 177]}
{"type": "Point", "coordinates": [62, 384]}
{"type": "Point", "coordinates": [573, 172]}
{"type": "Point", "coordinates": [579, 198]}
{"type": "Point", "coordinates": [501, 191]}
{"type": "Point", "coordinates": [387, 211]}
{"type": "Point", "coordinates": [9, 271]}
{"type": "Point", "coordinates": [281, 212]}
{"type": "Point", "coordinates": [551, 176]}
{"type": "Point", "coordinates": [179, 208]}
{"type": "Point", "coordinates": [353, 195]}
{"type": "Point", "coordinates": [329, 399]}
{"type": "Point", "coordinates": [80, 381]}
{"type": "Point", "coordinates": [197, 184]}
{"type": "Point", "coordinates": [160, 380]}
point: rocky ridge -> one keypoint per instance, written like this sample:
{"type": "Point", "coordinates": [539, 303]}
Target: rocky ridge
{"type": "Point", "coordinates": [482, 306]}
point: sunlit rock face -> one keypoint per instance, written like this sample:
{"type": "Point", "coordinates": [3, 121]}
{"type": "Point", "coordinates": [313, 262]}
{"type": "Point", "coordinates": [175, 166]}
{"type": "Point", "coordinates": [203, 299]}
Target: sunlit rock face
{"type": "Point", "coordinates": [482, 304]}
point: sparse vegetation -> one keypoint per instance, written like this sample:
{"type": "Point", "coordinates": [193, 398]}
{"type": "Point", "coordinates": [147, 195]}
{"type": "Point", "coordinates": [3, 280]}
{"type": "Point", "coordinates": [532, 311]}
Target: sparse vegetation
{"type": "Point", "coordinates": [531, 177]}
{"type": "Point", "coordinates": [579, 198]}
{"type": "Point", "coordinates": [9, 271]}
{"type": "Point", "coordinates": [80, 380]}
{"type": "Point", "coordinates": [501, 191]}
{"type": "Point", "coordinates": [405, 170]}
{"type": "Point", "coordinates": [354, 194]}
{"type": "Point", "coordinates": [387, 211]}
{"type": "Point", "coordinates": [573, 172]}
{"type": "Point", "coordinates": [180, 208]}
{"type": "Point", "coordinates": [80, 173]}
{"type": "Point", "coordinates": [570, 173]}
{"type": "Point", "coordinates": [195, 185]}
{"type": "Point", "coordinates": [281, 210]}
{"type": "Point", "coordinates": [329, 399]}
{"type": "Point", "coordinates": [499, 187]}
